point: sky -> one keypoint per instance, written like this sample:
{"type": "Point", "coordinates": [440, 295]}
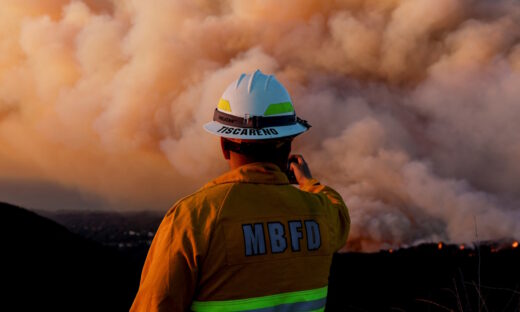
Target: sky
{"type": "Point", "coordinates": [414, 105]}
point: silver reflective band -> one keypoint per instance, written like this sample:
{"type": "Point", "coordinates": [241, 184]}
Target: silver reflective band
{"type": "Point", "coordinates": [297, 306]}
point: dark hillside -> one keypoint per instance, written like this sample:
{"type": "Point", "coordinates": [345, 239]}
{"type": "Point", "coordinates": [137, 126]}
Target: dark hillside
{"type": "Point", "coordinates": [93, 263]}
{"type": "Point", "coordinates": [428, 278]}
{"type": "Point", "coordinates": [47, 268]}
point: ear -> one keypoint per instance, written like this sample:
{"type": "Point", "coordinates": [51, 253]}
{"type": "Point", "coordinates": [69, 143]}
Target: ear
{"type": "Point", "coordinates": [225, 150]}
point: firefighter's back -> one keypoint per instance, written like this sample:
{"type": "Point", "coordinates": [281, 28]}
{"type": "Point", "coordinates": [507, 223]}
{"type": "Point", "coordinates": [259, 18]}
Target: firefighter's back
{"type": "Point", "coordinates": [248, 240]}
{"type": "Point", "coordinates": [271, 243]}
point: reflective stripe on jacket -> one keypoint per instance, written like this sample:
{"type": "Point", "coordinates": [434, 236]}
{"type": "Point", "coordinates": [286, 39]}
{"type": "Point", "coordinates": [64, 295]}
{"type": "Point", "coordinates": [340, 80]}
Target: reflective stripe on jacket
{"type": "Point", "coordinates": [246, 241]}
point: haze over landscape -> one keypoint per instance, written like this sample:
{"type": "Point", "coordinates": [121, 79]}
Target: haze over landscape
{"type": "Point", "coordinates": [414, 105]}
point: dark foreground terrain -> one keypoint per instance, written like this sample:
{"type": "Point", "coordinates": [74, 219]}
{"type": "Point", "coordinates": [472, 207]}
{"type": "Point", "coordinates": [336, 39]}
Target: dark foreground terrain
{"type": "Point", "coordinates": [92, 262]}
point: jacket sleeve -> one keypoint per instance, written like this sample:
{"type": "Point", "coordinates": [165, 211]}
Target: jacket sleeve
{"type": "Point", "coordinates": [337, 208]}
{"type": "Point", "coordinates": [169, 275]}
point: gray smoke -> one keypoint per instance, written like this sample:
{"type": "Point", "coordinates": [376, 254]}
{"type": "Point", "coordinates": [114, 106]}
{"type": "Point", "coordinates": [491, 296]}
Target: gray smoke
{"type": "Point", "coordinates": [414, 103]}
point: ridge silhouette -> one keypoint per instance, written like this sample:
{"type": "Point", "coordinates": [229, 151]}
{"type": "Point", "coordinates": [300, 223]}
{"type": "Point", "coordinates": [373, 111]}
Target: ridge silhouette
{"type": "Point", "coordinates": [46, 267]}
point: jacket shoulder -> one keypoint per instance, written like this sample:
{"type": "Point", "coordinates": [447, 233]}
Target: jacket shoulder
{"type": "Point", "coordinates": [204, 198]}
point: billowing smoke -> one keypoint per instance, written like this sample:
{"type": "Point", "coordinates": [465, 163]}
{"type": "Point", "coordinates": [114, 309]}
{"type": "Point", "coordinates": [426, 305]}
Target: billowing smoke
{"type": "Point", "coordinates": [415, 103]}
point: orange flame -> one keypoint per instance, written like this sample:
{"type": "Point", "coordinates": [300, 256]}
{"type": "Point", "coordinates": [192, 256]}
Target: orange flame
{"type": "Point", "coordinates": [440, 245]}
{"type": "Point", "coordinates": [515, 244]}
{"type": "Point", "coordinates": [461, 247]}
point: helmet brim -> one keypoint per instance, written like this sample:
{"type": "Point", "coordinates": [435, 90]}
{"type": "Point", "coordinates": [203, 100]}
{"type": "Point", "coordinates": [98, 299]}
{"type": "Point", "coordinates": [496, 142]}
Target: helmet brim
{"type": "Point", "coordinates": [230, 132]}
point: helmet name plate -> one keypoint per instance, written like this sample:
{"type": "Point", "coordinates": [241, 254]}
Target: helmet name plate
{"type": "Point", "coordinates": [254, 121]}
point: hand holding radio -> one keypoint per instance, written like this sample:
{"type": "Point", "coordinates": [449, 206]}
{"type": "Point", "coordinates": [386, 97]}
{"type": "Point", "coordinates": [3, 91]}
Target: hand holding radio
{"type": "Point", "coordinates": [298, 168]}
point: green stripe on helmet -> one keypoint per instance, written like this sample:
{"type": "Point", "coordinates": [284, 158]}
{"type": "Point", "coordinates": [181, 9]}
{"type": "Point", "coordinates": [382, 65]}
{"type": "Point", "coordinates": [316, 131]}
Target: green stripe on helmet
{"type": "Point", "coordinates": [279, 108]}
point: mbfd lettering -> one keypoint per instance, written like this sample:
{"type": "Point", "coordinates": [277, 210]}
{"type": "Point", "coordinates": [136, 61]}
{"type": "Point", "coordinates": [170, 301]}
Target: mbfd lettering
{"type": "Point", "coordinates": [281, 237]}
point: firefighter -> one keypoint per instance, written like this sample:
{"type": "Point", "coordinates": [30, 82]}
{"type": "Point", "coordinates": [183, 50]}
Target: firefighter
{"type": "Point", "coordinates": [248, 240]}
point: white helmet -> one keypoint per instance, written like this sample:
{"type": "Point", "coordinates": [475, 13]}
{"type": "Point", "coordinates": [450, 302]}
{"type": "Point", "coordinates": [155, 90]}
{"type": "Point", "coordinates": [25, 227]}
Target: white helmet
{"type": "Point", "coordinates": [256, 107]}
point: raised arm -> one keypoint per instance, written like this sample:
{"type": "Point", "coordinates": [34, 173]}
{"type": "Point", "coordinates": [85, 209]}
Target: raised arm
{"type": "Point", "coordinates": [338, 209]}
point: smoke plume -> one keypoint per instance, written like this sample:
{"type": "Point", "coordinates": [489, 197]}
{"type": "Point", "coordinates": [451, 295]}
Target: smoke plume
{"type": "Point", "coordinates": [415, 104]}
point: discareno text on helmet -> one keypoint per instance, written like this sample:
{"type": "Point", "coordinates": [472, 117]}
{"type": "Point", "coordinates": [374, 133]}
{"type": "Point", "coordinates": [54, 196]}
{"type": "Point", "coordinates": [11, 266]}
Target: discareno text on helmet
{"type": "Point", "coordinates": [248, 131]}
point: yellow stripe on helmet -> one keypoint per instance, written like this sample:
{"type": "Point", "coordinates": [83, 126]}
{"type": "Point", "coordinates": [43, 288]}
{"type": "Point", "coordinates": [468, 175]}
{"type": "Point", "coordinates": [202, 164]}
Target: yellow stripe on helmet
{"type": "Point", "coordinates": [224, 105]}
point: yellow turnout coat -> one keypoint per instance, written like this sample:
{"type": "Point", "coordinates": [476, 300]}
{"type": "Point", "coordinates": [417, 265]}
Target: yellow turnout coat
{"type": "Point", "coordinates": [246, 241]}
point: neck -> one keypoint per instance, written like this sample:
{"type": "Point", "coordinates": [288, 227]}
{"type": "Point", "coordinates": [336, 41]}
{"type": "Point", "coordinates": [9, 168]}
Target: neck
{"type": "Point", "coordinates": [238, 160]}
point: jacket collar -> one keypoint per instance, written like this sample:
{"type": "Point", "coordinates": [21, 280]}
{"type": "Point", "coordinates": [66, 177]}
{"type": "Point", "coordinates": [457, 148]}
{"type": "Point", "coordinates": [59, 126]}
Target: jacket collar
{"type": "Point", "coordinates": [258, 172]}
